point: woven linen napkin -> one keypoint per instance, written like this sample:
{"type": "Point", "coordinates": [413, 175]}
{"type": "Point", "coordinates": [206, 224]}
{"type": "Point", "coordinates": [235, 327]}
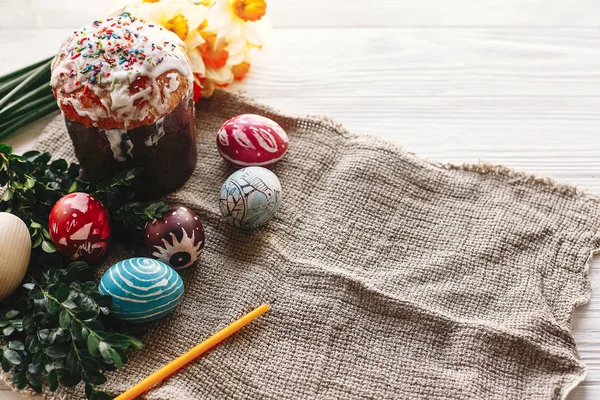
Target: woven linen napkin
{"type": "Point", "coordinates": [389, 277]}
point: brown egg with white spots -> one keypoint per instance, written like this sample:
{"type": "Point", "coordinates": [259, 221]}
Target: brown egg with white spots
{"type": "Point", "coordinates": [177, 238]}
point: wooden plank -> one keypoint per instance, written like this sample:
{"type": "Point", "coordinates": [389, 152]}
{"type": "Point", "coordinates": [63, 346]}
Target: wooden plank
{"type": "Point", "coordinates": [414, 62]}
{"type": "Point", "coordinates": [394, 13]}
{"type": "Point", "coordinates": [347, 13]}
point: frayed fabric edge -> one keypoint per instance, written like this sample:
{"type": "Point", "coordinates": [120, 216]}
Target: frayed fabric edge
{"type": "Point", "coordinates": [568, 387]}
{"type": "Point", "coordinates": [513, 176]}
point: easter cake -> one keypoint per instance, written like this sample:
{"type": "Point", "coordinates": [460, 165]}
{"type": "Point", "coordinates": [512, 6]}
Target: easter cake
{"type": "Point", "coordinates": [125, 88]}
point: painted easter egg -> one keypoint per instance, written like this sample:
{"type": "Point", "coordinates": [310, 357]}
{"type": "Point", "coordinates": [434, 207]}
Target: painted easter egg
{"type": "Point", "coordinates": [143, 289]}
{"type": "Point", "coordinates": [250, 197]}
{"type": "Point", "coordinates": [15, 250]}
{"type": "Point", "coordinates": [252, 140]}
{"type": "Point", "coordinates": [177, 238]}
{"type": "Point", "coordinates": [79, 227]}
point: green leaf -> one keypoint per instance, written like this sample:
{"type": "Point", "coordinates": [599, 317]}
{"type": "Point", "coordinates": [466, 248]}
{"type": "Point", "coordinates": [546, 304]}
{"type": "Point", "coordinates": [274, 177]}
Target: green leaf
{"type": "Point", "coordinates": [71, 359]}
{"type": "Point", "coordinates": [16, 345]}
{"type": "Point", "coordinates": [136, 343]}
{"type": "Point", "coordinates": [36, 369]}
{"type": "Point", "coordinates": [29, 182]}
{"type": "Point", "coordinates": [119, 341]}
{"type": "Point", "coordinates": [35, 383]}
{"type": "Point", "coordinates": [64, 319]}
{"type": "Point", "coordinates": [19, 379]}
{"type": "Point", "coordinates": [73, 187]}
{"type": "Point", "coordinates": [36, 242]}
{"type": "Point", "coordinates": [46, 234]}
{"type": "Point", "coordinates": [35, 225]}
{"type": "Point", "coordinates": [11, 314]}
{"type": "Point", "coordinates": [55, 352]}
{"type": "Point", "coordinates": [106, 351]}
{"type": "Point", "coordinates": [8, 331]}
{"type": "Point", "coordinates": [34, 346]}
{"type": "Point", "coordinates": [60, 292]}
{"type": "Point", "coordinates": [12, 357]}
{"type": "Point", "coordinates": [48, 247]}
{"type": "Point", "coordinates": [102, 396]}
{"type": "Point", "coordinates": [60, 165]}
{"type": "Point", "coordinates": [8, 195]}
{"type": "Point", "coordinates": [69, 304]}
{"type": "Point", "coordinates": [6, 365]}
{"type": "Point", "coordinates": [90, 364]}
{"type": "Point", "coordinates": [43, 158]}
{"type": "Point", "coordinates": [28, 322]}
{"type": "Point", "coordinates": [92, 345]}
{"type": "Point", "coordinates": [44, 335]}
{"type": "Point", "coordinates": [52, 306]}
{"type": "Point", "coordinates": [69, 379]}
{"type": "Point", "coordinates": [52, 380]}
{"type": "Point", "coordinates": [5, 149]}
{"type": "Point", "coordinates": [95, 378]}
{"type": "Point", "coordinates": [31, 155]}
{"type": "Point", "coordinates": [86, 315]}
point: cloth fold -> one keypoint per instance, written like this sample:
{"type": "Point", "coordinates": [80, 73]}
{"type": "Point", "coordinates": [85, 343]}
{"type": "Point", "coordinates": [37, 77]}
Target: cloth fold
{"type": "Point", "coordinates": [389, 277]}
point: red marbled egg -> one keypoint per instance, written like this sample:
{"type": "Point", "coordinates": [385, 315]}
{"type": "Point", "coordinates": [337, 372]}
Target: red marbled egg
{"type": "Point", "coordinates": [177, 238]}
{"type": "Point", "coordinates": [251, 140]}
{"type": "Point", "coordinates": [79, 226]}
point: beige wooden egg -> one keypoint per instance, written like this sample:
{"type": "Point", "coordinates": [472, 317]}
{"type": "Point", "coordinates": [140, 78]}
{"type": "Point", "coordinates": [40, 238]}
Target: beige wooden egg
{"type": "Point", "coordinates": [15, 250]}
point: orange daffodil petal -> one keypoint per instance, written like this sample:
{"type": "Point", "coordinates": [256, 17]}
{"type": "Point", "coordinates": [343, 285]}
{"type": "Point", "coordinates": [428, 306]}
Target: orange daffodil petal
{"type": "Point", "coordinates": [221, 36]}
{"type": "Point", "coordinates": [249, 10]}
{"type": "Point", "coordinates": [240, 70]}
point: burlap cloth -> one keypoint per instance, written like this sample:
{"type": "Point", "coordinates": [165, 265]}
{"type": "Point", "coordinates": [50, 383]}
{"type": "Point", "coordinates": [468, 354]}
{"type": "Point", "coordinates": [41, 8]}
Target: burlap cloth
{"type": "Point", "coordinates": [389, 277]}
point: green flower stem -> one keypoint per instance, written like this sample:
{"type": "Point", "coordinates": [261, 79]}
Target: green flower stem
{"type": "Point", "coordinates": [35, 75]}
{"type": "Point", "coordinates": [43, 90]}
{"type": "Point", "coordinates": [9, 85]}
{"type": "Point", "coordinates": [20, 109]}
{"type": "Point", "coordinates": [18, 73]}
{"type": "Point", "coordinates": [8, 127]}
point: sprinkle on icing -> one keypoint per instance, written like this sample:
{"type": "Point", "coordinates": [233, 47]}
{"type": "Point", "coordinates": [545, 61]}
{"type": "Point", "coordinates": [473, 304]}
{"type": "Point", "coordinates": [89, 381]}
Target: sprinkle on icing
{"type": "Point", "coordinates": [109, 58]}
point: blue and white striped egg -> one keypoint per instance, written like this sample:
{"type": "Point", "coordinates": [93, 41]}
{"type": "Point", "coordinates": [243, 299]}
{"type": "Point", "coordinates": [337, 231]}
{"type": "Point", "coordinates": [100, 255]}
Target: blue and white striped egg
{"type": "Point", "coordinates": [143, 289]}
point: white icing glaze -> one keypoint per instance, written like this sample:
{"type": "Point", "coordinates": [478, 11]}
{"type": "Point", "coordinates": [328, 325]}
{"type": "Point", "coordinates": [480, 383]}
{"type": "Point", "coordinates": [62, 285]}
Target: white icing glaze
{"type": "Point", "coordinates": [160, 132]}
{"type": "Point", "coordinates": [115, 138]}
{"type": "Point", "coordinates": [107, 57]}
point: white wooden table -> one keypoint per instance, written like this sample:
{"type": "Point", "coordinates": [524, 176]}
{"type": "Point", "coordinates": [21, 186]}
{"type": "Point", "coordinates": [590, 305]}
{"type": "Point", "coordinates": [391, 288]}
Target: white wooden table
{"type": "Point", "coordinates": [515, 82]}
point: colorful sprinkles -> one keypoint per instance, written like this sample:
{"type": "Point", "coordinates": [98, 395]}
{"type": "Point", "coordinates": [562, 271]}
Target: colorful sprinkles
{"type": "Point", "coordinates": [108, 56]}
{"type": "Point", "coordinates": [119, 44]}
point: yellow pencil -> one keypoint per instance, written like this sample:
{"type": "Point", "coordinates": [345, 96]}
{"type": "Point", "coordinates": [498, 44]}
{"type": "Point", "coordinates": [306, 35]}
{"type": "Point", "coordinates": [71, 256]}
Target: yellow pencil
{"type": "Point", "coordinates": [192, 354]}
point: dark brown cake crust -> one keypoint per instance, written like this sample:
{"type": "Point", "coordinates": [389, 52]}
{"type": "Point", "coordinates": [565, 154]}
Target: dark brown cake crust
{"type": "Point", "coordinates": [167, 164]}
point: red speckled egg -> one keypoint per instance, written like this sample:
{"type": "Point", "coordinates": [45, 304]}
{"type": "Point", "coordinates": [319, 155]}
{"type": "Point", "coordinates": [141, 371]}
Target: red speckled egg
{"type": "Point", "coordinates": [251, 140]}
{"type": "Point", "coordinates": [177, 238]}
{"type": "Point", "coordinates": [80, 227]}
